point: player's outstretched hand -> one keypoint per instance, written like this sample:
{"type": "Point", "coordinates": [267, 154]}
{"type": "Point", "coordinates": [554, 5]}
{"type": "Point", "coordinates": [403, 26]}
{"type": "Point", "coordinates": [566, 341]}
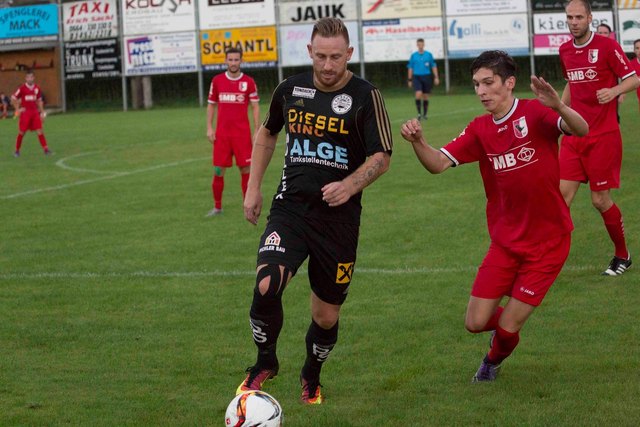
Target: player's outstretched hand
{"type": "Point", "coordinates": [252, 206]}
{"type": "Point", "coordinates": [411, 130]}
{"type": "Point", "coordinates": [545, 93]}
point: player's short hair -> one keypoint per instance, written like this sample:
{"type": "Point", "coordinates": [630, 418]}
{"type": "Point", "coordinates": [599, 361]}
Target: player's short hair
{"type": "Point", "coordinates": [233, 50]}
{"type": "Point", "coordinates": [29, 71]}
{"type": "Point", "coordinates": [498, 61]}
{"type": "Point", "coordinates": [585, 3]}
{"type": "Point", "coordinates": [636, 41]}
{"type": "Point", "coordinates": [606, 26]}
{"type": "Point", "coordinates": [330, 27]}
{"type": "Point", "coordinates": [420, 40]}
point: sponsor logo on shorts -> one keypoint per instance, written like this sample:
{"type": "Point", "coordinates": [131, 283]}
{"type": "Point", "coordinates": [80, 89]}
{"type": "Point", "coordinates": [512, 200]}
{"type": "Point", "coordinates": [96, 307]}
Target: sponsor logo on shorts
{"type": "Point", "coordinates": [602, 182]}
{"type": "Point", "coordinates": [272, 243]}
{"type": "Point", "coordinates": [304, 92]}
{"type": "Point", "coordinates": [345, 271]}
{"type": "Point", "coordinates": [527, 291]}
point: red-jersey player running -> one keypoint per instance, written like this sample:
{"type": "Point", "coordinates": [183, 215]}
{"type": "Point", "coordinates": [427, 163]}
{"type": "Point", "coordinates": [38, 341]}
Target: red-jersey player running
{"type": "Point", "coordinates": [28, 104]}
{"type": "Point", "coordinates": [516, 146]}
{"type": "Point", "coordinates": [229, 96]}
{"type": "Point", "coordinates": [592, 66]}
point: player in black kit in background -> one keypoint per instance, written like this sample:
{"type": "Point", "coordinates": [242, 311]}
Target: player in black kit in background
{"type": "Point", "coordinates": [339, 141]}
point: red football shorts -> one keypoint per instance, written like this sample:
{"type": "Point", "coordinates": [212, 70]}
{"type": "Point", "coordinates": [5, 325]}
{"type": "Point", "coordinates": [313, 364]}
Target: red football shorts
{"type": "Point", "coordinates": [226, 147]}
{"type": "Point", "coordinates": [30, 120]}
{"type": "Point", "coordinates": [593, 159]}
{"type": "Point", "coordinates": [525, 273]}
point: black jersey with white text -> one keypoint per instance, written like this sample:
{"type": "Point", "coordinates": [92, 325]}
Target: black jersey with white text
{"type": "Point", "coordinates": [328, 136]}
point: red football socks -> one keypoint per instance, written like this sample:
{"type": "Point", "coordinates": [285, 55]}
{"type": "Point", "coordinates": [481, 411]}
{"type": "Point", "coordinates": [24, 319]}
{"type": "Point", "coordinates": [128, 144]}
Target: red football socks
{"type": "Point", "coordinates": [218, 187]}
{"type": "Point", "coordinates": [612, 218]}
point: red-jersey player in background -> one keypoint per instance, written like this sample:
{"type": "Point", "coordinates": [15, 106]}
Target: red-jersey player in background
{"type": "Point", "coordinates": [230, 94]}
{"type": "Point", "coordinates": [27, 101]}
{"type": "Point", "coordinates": [635, 63]}
{"type": "Point", "coordinates": [516, 146]}
{"type": "Point", "coordinates": [592, 65]}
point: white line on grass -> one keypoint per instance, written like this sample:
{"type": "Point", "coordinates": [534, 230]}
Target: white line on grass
{"type": "Point", "coordinates": [62, 164]}
{"type": "Point", "coordinates": [102, 178]}
{"type": "Point", "coordinates": [231, 273]}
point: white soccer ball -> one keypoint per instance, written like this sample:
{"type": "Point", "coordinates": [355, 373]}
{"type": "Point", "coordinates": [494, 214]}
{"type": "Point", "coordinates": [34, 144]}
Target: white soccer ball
{"type": "Point", "coordinates": [253, 408]}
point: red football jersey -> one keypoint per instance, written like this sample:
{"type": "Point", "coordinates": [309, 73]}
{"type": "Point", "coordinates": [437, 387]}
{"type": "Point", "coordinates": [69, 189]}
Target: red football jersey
{"type": "Point", "coordinates": [28, 96]}
{"type": "Point", "coordinates": [232, 96]}
{"type": "Point", "coordinates": [518, 159]}
{"type": "Point", "coordinates": [597, 64]}
{"type": "Point", "coordinates": [635, 64]}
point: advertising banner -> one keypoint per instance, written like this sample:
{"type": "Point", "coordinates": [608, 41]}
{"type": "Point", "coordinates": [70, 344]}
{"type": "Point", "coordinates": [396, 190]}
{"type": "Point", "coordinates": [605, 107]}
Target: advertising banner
{"type": "Point", "coordinates": [294, 40]}
{"type": "Point", "coordinates": [215, 14]}
{"type": "Point", "coordinates": [551, 30]}
{"type": "Point", "coordinates": [480, 7]}
{"type": "Point", "coordinates": [157, 16]}
{"type": "Point", "coordinates": [471, 35]}
{"type": "Point", "coordinates": [395, 39]}
{"type": "Point", "coordinates": [377, 9]}
{"type": "Point", "coordinates": [160, 54]}
{"type": "Point", "coordinates": [558, 5]}
{"type": "Point", "coordinates": [28, 24]}
{"type": "Point", "coordinates": [628, 4]}
{"type": "Point", "coordinates": [309, 11]}
{"type": "Point", "coordinates": [629, 28]}
{"type": "Point", "coordinates": [90, 20]}
{"type": "Point", "coordinates": [92, 59]}
{"type": "Point", "coordinates": [258, 46]}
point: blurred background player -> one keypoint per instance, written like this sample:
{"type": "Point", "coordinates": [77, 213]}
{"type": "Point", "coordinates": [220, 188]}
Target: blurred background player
{"type": "Point", "coordinates": [635, 63]}
{"type": "Point", "coordinates": [605, 30]}
{"type": "Point", "coordinates": [230, 95]}
{"type": "Point", "coordinates": [28, 104]}
{"type": "Point", "coordinates": [4, 105]}
{"type": "Point", "coordinates": [423, 74]}
{"type": "Point", "coordinates": [339, 141]}
{"type": "Point", "coordinates": [597, 157]}
{"type": "Point", "coordinates": [516, 147]}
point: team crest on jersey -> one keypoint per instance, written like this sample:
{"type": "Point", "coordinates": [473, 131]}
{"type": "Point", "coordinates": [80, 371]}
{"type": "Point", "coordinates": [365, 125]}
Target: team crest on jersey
{"type": "Point", "coordinates": [304, 92]}
{"type": "Point", "coordinates": [341, 103]}
{"type": "Point", "coordinates": [520, 127]}
{"type": "Point", "coordinates": [243, 86]}
{"type": "Point", "coordinates": [593, 56]}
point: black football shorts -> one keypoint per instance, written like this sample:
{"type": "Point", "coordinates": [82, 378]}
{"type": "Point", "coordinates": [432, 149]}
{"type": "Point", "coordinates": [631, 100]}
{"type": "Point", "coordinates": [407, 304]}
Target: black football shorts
{"type": "Point", "coordinates": [331, 247]}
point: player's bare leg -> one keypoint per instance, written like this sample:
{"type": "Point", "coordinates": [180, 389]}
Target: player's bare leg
{"type": "Point", "coordinates": [568, 189]}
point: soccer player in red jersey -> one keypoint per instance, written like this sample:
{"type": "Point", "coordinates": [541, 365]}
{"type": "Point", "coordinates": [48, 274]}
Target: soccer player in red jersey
{"type": "Point", "coordinates": [27, 101]}
{"type": "Point", "coordinates": [229, 96]}
{"type": "Point", "coordinates": [592, 66]}
{"type": "Point", "coordinates": [516, 147]}
{"type": "Point", "coordinates": [635, 63]}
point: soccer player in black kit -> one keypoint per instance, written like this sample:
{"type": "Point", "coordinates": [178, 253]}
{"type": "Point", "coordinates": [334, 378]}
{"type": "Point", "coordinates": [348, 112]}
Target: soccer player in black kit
{"type": "Point", "coordinates": [338, 141]}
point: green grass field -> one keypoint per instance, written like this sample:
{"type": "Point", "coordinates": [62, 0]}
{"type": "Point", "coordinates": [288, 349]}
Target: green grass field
{"type": "Point", "coordinates": [122, 305]}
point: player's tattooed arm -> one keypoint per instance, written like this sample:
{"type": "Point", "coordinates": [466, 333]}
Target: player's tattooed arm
{"type": "Point", "coordinates": [339, 192]}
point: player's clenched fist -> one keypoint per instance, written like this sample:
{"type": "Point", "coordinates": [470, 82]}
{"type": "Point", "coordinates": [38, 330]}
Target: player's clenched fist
{"type": "Point", "coordinates": [411, 130]}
